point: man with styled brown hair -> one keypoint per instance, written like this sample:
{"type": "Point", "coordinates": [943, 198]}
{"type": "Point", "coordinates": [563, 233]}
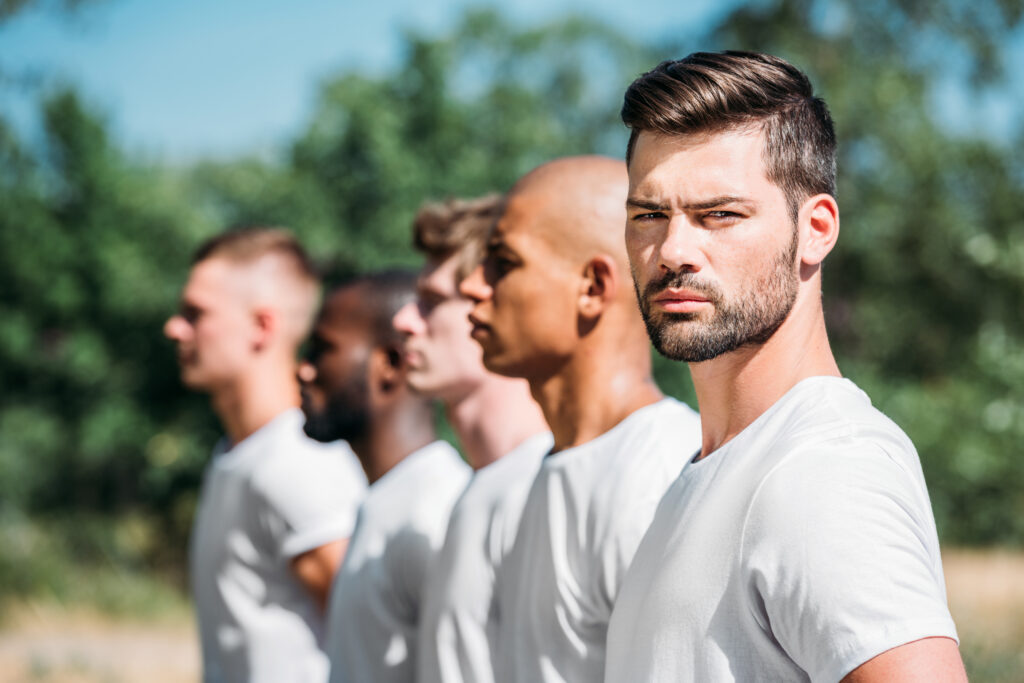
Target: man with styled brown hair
{"type": "Point", "coordinates": [499, 425]}
{"type": "Point", "coordinates": [800, 543]}
{"type": "Point", "coordinates": [555, 305]}
{"type": "Point", "coordinates": [276, 508]}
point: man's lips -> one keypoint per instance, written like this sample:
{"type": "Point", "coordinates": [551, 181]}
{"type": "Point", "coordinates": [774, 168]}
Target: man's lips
{"type": "Point", "coordinates": [413, 359]}
{"type": "Point", "coordinates": [479, 327]}
{"type": "Point", "coordinates": [680, 300]}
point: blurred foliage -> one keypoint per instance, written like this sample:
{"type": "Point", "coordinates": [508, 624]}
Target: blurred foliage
{"type": "Point", "coordinates": [923, 293]}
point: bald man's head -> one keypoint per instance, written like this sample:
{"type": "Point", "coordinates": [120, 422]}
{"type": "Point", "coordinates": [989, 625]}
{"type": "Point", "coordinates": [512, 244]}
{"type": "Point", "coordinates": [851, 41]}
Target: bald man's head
{"type": "Point", "coordinates": [556, 275]}
{"type": "Point", "coordinates": [577, 205]}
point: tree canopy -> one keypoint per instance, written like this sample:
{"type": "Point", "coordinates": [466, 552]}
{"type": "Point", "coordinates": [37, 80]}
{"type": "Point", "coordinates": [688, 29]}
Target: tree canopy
{"type": "Point", "coordinates": [923, 294]}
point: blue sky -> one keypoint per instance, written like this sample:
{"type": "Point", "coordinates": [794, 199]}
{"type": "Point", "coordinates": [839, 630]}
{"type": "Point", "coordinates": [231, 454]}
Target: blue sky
{"type": "Point", "coordinates": [191, 78]}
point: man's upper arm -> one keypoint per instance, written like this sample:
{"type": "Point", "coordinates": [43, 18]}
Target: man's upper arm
{"type": "Point", "coordinates": [842, 553]}
{"type": "Point", "coordinates": [929, 660]}
{"type": "Point", "coordinates": [316, 568]}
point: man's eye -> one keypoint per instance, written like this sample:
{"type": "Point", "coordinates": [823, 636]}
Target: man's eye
{"type": "Point", "coordinates": [652, 216]}
{"type": "Point", "coordinates": [190, 314]}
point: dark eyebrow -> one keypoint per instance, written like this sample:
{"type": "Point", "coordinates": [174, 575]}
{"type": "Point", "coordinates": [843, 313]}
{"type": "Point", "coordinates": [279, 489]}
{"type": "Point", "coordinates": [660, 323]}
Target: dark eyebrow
{"type": "Point", "coordinates": [646, 204]}
{"type": "Point", "coordinates": [693, 206]}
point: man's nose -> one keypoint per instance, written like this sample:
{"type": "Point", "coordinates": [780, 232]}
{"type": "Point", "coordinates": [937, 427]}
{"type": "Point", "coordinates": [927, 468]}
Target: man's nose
{"type": "Point", "coordinates": [408, 319]}
{"type": "Point", "coordinates": [474, 286]}
{"type": "Point", "coordinates": [175, 328]}
{"type": "Point", "coordinates": [680, 250]}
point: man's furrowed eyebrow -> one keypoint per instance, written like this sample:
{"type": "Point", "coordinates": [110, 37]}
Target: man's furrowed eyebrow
{"type": "Point", "coordinates": [714, 202]}
{"type": "Point", "coordinates": [647, 204]}
{"type": "Point", "coordinates": [711, 203]}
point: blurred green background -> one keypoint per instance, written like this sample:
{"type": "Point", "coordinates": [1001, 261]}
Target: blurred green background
{"type": "Point", "coordinates": [101, 449]}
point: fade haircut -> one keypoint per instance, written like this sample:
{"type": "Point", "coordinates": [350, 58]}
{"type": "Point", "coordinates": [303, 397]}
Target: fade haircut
{"type": "Point", "coordinates": [249, 244]}
{"type": "Point", "coordinates": [457, 227]}
{"type": "Point", "coordinates": [707, 93]}
{"type": "Point", "coordinates": [381, 295]}
{"type": "Point", "coordinates": [252, 246]}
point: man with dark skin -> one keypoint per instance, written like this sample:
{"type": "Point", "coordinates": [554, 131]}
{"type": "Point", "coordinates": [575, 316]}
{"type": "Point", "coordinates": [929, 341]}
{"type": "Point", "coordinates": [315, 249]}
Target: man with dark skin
{"type": "Point", "coordinates": [555, 305]}
{"type": "Point", "coordinates": [800, 543]}
{"type": "Point", "coordinates": [354, 387]}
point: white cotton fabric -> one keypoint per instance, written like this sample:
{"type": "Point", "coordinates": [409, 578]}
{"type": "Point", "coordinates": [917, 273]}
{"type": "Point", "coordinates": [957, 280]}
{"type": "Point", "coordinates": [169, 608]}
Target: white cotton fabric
{"type": "Point", "coordinates": [267, 499]}
{"type": "Point", "coordinates": [456, 625]}
{"type": "Point", "coordinates": [377, 595]}
{"type": "Point", "coordinates": [799, 550]}
{"type": "Point", "coordinates": [584, 517]}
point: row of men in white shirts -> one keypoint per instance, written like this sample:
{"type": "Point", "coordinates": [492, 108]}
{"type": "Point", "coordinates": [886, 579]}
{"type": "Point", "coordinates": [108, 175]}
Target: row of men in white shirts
{"type": "Point", "coordinates": [600, 530]}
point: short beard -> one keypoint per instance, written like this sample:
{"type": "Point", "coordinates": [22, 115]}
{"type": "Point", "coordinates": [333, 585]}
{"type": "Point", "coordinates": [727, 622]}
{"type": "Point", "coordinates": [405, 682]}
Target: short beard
{"type": "Point", "coordinates": [345, 416]}
{"type": "Point", "coordinates": [750, 320]}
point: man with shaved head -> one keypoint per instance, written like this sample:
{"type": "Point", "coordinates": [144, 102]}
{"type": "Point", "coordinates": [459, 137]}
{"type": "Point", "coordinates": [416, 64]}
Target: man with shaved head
{"type": "Point", "coordinates": [554, 303]}
{"type": "Point", "coordinates": [276, 508]}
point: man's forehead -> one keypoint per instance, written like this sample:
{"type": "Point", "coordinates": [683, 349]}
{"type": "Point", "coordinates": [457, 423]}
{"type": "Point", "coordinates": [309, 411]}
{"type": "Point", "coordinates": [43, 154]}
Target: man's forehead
{"type": "Point", "coordinates": [703, 162]}
{"type": "Point", "coordinates": [518, 223]}
{"type": "Point", "coordinates": [213, 280]}
{"type": "Point", "coordinates": [438, 276]}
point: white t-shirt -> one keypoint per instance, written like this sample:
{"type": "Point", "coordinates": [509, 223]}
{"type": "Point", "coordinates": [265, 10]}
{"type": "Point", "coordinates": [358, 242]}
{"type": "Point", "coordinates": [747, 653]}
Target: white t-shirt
{"type": "Point", "coordinates": [454, 638]}
{"type": "Point", "coordinates": [375, 601]}
{"type": "Point", "coordinates": [271, 497]}
{"type": "Point", "coordinates": [800, 549]}
{"type": "Point", "coordinates": [585, 515]}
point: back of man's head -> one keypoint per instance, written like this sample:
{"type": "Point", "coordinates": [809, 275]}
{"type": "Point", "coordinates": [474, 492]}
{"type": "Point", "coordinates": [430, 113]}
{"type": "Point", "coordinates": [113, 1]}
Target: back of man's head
{"type": "Point", "coordinates": [380, 294]}
{"type": "Point", "coordinates": [456, 227]}
{"type": "Point", "coordinates": [707, 93]}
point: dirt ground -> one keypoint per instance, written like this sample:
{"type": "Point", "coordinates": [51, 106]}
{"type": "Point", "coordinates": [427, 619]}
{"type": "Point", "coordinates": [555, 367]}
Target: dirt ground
{"type": "Point", "coordinates": [48, 644]}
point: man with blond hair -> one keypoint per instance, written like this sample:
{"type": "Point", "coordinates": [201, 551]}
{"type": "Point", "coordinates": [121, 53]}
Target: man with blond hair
{"type": "Point", "coordinates": [276, 508]}
{"type": "Point", "coordinates": [500, 427]}
{"type": "Point", "coordinates": [799, 544]}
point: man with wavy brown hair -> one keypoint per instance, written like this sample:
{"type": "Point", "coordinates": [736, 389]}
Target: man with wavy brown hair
{"type": "Point", "coordinates": [500, 428]}
{"type": "Point", "coordinates": [799, 544]}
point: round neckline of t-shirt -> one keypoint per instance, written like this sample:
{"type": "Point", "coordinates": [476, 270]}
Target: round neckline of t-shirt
{"type": "Point", "coordinates": [622, 425]}
{"type": "Point", "coordinates": [791, 394]}
{"type": "Point", "coordinates": [408, 461]}
{"type": "Point", "coordinates": [528, 445]}
{"type": "Point", "coordinates": [277, 423]}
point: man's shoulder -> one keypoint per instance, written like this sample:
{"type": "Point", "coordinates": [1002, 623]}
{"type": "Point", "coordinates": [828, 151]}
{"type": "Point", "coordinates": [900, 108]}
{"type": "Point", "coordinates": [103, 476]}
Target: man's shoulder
{"type": "Point", "coordinates": [819, 414]}
{"type": "Point", "coordinates": [292, 464]}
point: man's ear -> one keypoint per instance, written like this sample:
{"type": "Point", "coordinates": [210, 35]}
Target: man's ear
{"type": "Point", "coordinates": [265, 326]}
{"type": "Point", "coordinates": [386, 365]}
{"type": "Point", "coordinates": [598, 285]}
{"type": "Point", "coordinates": [819, 223]}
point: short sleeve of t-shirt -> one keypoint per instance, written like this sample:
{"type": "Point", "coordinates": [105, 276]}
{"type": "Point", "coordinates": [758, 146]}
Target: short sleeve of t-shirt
{"type": "Point", "coordinates": [309, 498]}
{"type": "Point", "coordinates": [840, 558]}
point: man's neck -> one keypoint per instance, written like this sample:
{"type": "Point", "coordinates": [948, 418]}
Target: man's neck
{"type": "Point", "coordinates": [498, 415]}
{"type": "Point", "coordinates": [253, 400]}
{"type": "Point", "coordinates": [736, 388]}
{"type": "Point", "coordinates": [601, 385]}
{"type": "Point", "coordinates": [392, 438]}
